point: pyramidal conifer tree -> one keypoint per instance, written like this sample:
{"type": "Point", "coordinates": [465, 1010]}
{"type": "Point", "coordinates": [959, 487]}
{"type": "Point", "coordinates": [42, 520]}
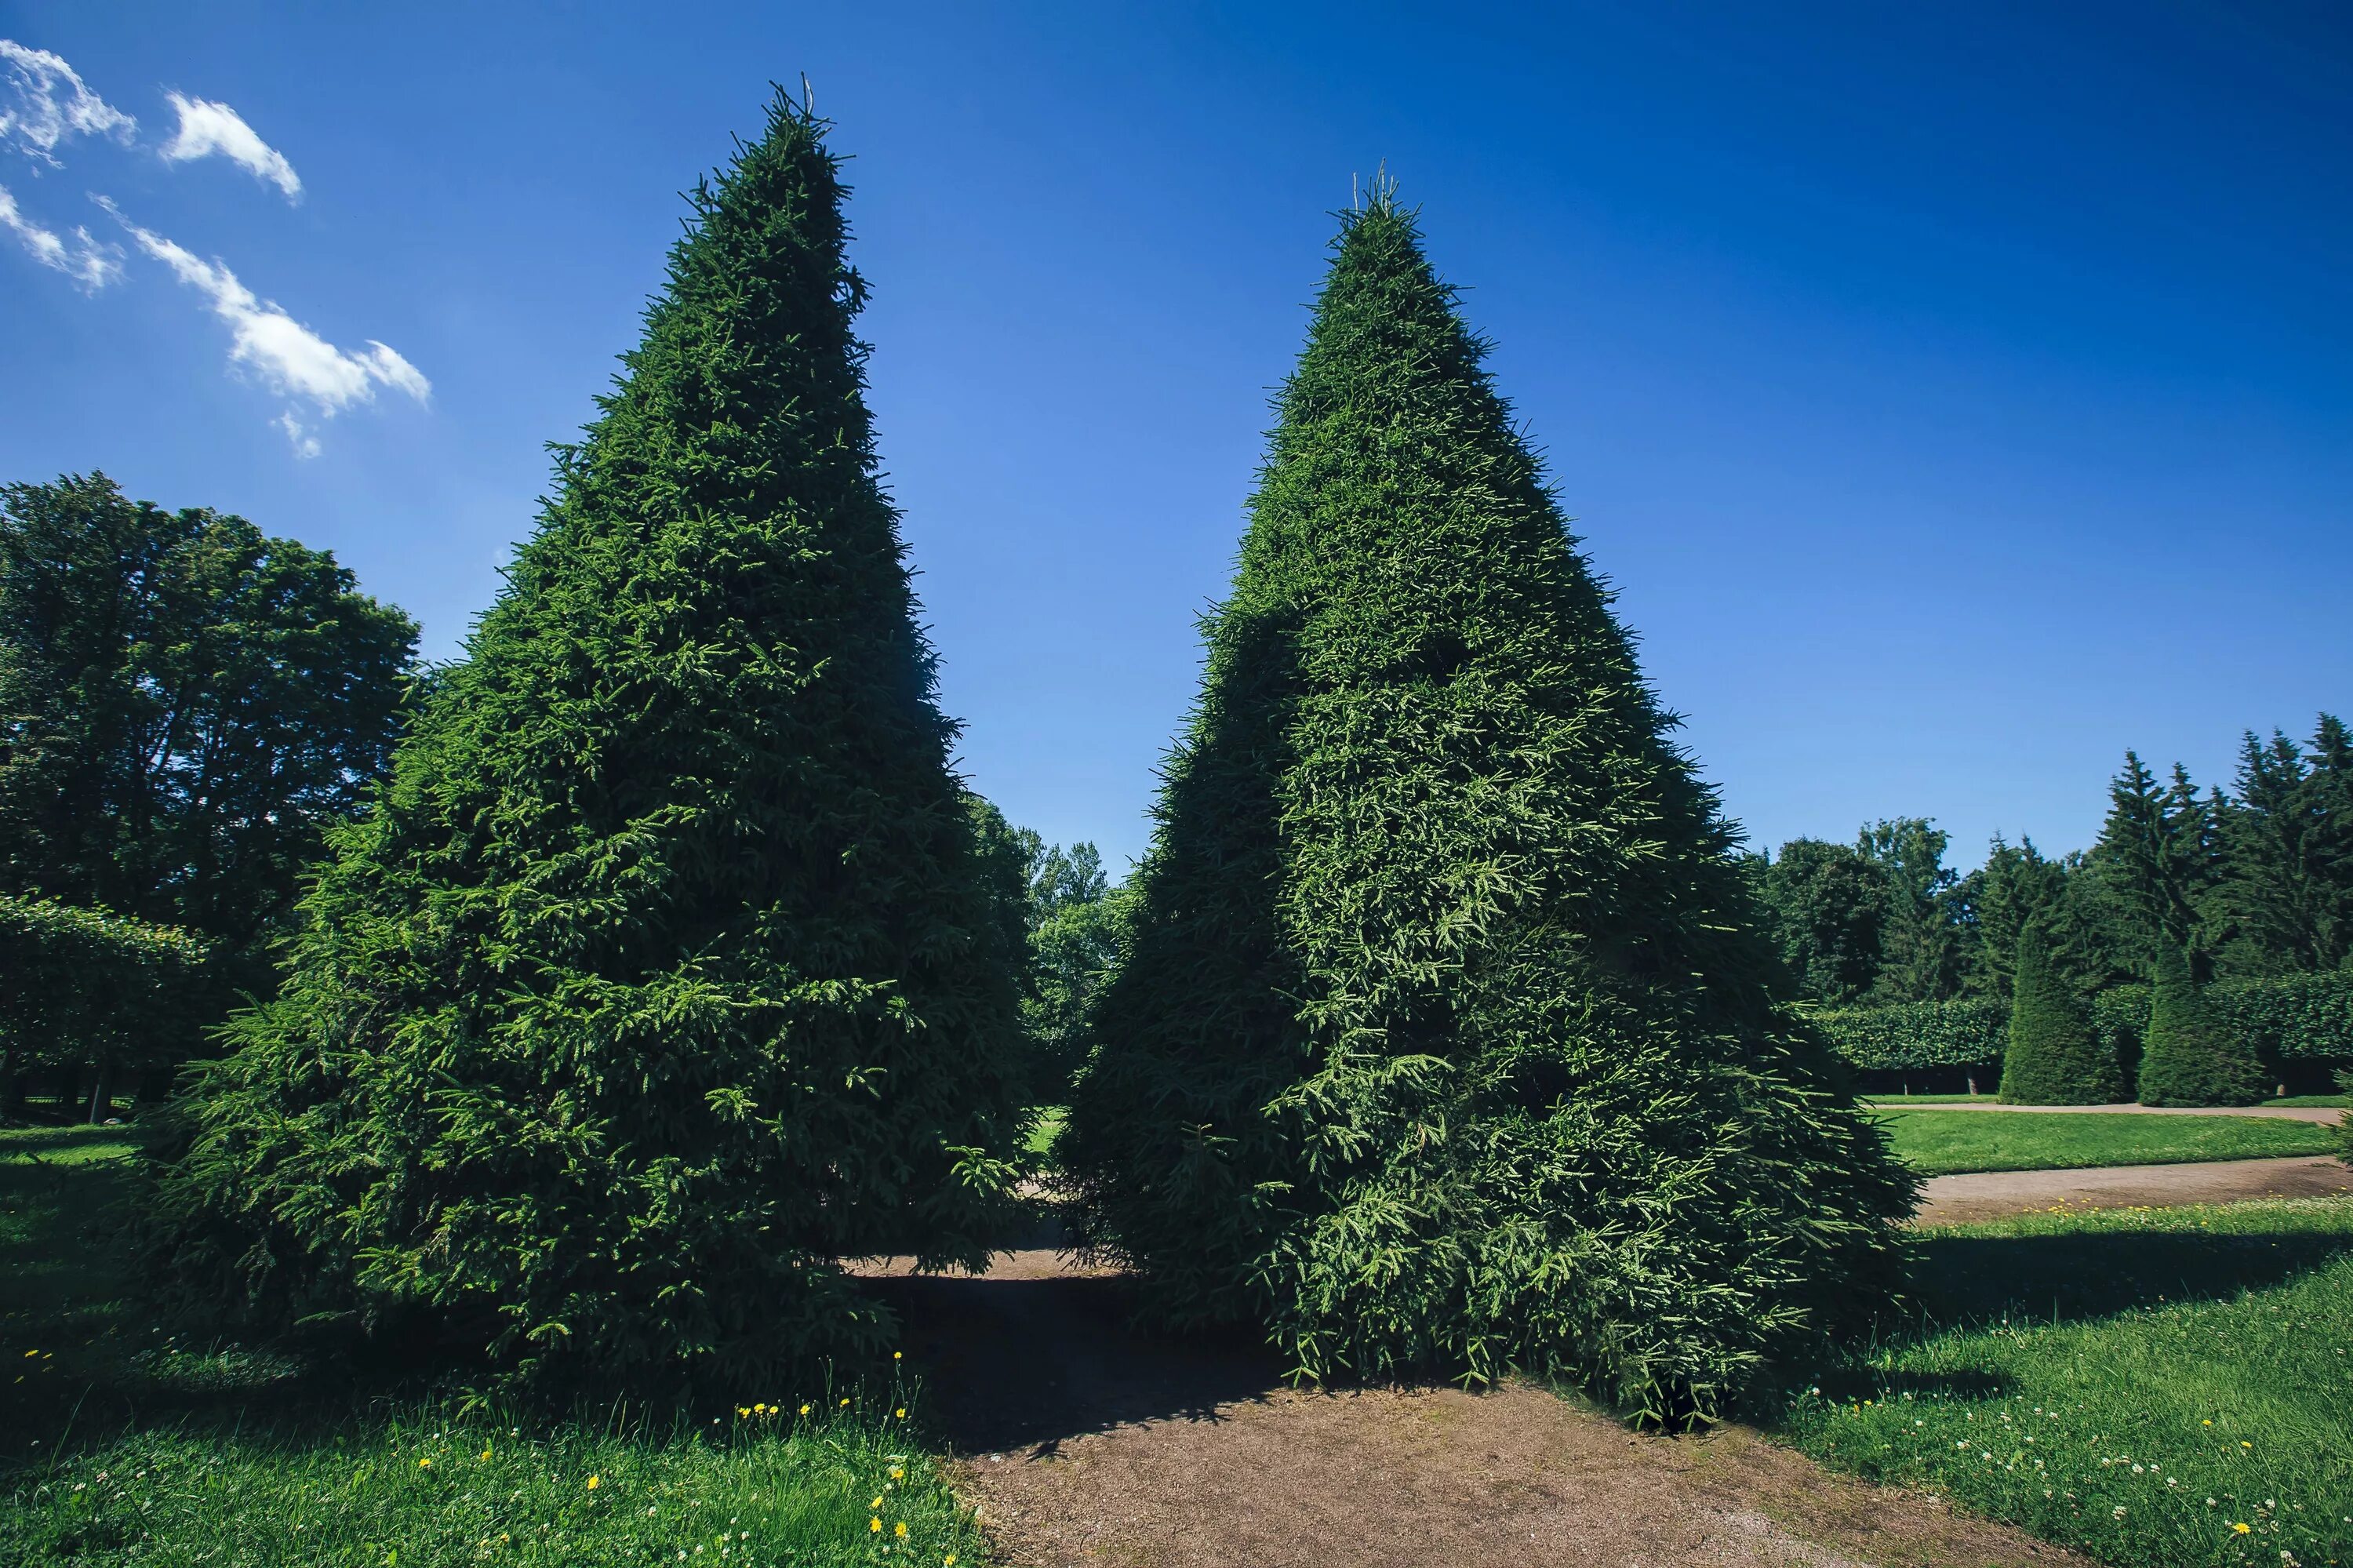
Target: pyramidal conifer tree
{"type": "Point", "coordinates": [2191, 1057]}
{"type": "Point", "coordinates": [2056, 1057]}
{"type": "Point", "coordinates": [662, 973]}
{"type": "Point", "coordinates": [1442, 1039]}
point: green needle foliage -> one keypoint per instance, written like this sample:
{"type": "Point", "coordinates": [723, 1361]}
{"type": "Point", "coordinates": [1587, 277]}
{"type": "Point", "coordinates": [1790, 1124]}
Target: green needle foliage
{"type": "Point", "coordinates": [661, 974]}
{"type": "Point", "coordinates": [2190, 1058]}
{"type": "Point", "coordinates": [1440, 1039]}
{"type": "Point", "coordinates": [2056, 1056]}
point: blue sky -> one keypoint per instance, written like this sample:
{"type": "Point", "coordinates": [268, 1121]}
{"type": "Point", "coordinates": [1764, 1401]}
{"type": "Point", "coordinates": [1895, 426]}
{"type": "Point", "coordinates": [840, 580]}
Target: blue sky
{"type": "Point", "coordinates": [1957, 396]}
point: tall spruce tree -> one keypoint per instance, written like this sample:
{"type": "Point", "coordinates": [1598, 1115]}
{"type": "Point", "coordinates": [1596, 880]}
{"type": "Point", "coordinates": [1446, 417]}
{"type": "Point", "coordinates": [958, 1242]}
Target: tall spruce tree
{"type": "Point", "coordinates": [1440, 1039]}
{"type": "Point", "coordinates": [2190, 1058]}
{"type": "Point", "coordinates": [2056, 1057]}
{"type": "Point", "coordinates": [2158, 853]}
{"type": "Point", "coordinates": [2289, 842]}
{"type": "Point", "coordinates": [662, 973]}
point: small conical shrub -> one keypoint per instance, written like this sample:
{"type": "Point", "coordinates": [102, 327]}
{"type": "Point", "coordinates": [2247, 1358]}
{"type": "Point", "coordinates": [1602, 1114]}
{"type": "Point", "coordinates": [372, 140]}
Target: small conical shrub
{"type": "Point", "coordinates": [2189, 1056]}
{"type": "Point", "coordinates": [1441, 1040]}
{"type": "Point", "coordinates": [2056, 1056]}
{"type": "Point", "coordinates": [661, 974]}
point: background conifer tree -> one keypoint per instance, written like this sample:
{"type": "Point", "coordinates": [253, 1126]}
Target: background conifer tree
{"type": "Point", "coordinates": [2188, 1057]}
{"type": "Point", "coordinates": [2056, 1057]}
{"type": "Point", "coordinates": [1441, 1038]}
{"type": "Point", "coordinates": [662, 973]}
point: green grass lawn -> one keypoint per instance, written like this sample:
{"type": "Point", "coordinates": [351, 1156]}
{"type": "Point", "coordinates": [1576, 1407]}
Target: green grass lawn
{"type": "Point", "coordinates": [1941, 1143]}
{"type": "Point", "coordinates": [123, 1445]}
{"type": "Point", "coordinates": [1928, 1099]}
{"type": "Point", "coordinates": [2163, 1388]}
{"type": "Point", "coordinates": [1041, 1132]}
{"type": "Point", "coordinates": [2320, 1101]}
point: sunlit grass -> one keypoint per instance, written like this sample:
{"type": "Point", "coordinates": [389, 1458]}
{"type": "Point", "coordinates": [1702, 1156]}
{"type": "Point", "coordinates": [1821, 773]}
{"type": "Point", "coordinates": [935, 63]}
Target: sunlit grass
{"type": "Point", "coordinates": [2160, 1387]}
{"type": "Point", "coordinates": [1941, 1143]}
{"type": "Point", "coordinates": [128, 1445]}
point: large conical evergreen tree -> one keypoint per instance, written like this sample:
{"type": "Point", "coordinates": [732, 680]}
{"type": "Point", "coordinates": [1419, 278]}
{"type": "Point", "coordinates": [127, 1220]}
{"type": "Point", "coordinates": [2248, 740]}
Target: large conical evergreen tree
{"type": "Point", "coordinates": [660, 974]}
{"type": "Point", "coordinates": [2190, 1058]}
{"type": "Point", "coordinates": [1442, 1040]}
{"type": "Point", "coordinates": [2056, 1057]}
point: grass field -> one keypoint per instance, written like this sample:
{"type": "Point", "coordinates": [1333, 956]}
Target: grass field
{"type": "Point", "coordinates": [1928, 1099]}
{"type": "Point", "coordinates": [1943, 1143]}
{"type": "Point", "coordinates": [2162, 1388]}
{"type": "Point", "coordinates": [122, 1445]}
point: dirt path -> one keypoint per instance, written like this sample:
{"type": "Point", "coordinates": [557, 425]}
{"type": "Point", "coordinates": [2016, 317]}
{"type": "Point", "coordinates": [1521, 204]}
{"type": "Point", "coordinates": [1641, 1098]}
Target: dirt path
{"type": "Point", "coordinates": [1990, 1194]}
{"type": "Point", "coordinates": [2326, 1114]}
{"type": "Point", "coordinates": [1084, 1442]}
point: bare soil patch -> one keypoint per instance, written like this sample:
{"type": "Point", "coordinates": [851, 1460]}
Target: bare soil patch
{"type": "Point", "coordinates": [1991, 1194]}
{"type": "Point", "coordinates": [1083, 1442]}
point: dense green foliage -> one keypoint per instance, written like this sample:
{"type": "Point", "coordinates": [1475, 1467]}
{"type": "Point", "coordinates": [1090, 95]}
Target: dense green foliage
{"type": "Point", "coordinates": [2191, 1056]}
{"type": "Point", "coordinates": [1074, 945]}
{"type": "Point", "coordinates": [2254, 883]}
{"type": "Point", "coordinates": [2054, 1057]}
{"type": "Point", "coordinates": [1439, 1039]}
{"type": "Point", "coordinates": [2282, 1022]}
{"type": "Point", "coordinates": [1966, 1032]}
{"type": "Point", "coordinates": [82, 988]}
{"type": "Point", "coordinates": [186, 705]}
{"type": "Point", "coordinates": [2296, 1016]}
{"type": "Point", "coordinates": [1942, 1143]}
{"type": "Point", "coordinates": [127, 1446]}
{"type": "Point", "coordinates": [664, 971]}
{"type": "Point", "coordinates": [2161, 1388]}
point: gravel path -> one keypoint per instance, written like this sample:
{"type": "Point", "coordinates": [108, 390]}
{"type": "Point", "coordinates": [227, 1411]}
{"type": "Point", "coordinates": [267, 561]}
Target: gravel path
{"type": "Point", "coordinates": [2279, 1113]}
{"type": "Point", "coordinates": [1084, 1442]}
{"type": "Point", "coordinates": [1991, 1194]}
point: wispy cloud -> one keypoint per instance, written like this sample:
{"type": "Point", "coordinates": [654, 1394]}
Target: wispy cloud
{"type": "Point", "coordinates": [306, 445]}
{"type": "Point", "coordinates": [90, 264]}
{"type": "Point", "coordinates": [207, 128]}
{"type": "Point", "coordinates": [48, 103]}
{"type": "Point", "coordinates": [290, 359]}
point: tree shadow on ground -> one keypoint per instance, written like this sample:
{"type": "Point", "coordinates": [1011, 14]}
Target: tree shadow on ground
{"type": "Point", "coordinates": [1026, 1358]}
{"type": "Point", "coordinates": [1963, 1280]}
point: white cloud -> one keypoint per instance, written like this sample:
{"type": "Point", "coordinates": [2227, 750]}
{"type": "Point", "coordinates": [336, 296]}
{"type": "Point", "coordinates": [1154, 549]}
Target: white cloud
{"type": "Point", "coordinates": [291, 359]}
{"type": "Point", "coordinates": [306, 445]}
{"type": "Point", "coordinates": [91, 266]}
{"type": "Point", "coordinates": [207, 128]}
{"type": "Point", "coordinates": [37, 117]}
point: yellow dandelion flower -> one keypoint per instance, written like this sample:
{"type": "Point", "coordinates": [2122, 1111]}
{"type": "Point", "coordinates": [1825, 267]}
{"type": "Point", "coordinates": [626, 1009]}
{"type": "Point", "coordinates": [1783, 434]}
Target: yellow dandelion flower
{"type": "Point", "coordinates": [2242, 1529]}
{"type": "Point", "coordinates": [899, 1529]}
{"type": "Point", "coordinates": [485, 1453]}
{"type": "Point", "coordinates": [845, 1404]}
{"type": "Point", "coordinates": [898, 1472]}
{"type": "Point", "coordinates": [741, 1411]}
{"type": "Point", "coordinates": [875, 1504]}
{"type": "Point", "coordinates": [593, 1481]}
{"type": "Point", "coordinates": [759, 1410]}
{"type": "Point", "coordinates": [873, 1527]}
{"type": "Point", "coordinates": [804, 1410]}
{"type": "Point", "coordinates": [898, 1355]}
{"type": "Point", "coordinates": [424, 1464]}
{"type": "Point", "coordinates": [948, 1562]}
{"type": "Point", "coordinates": [2205, 1424]}
{"type": "Point", "coordinates": [901, 1413]}
{"type": "Point", "coordinates": [2246, 1445]}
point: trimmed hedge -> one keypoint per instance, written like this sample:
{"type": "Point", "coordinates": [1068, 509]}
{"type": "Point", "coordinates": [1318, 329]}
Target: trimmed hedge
{"type": "Point", "coordinates": [82, 988]}
{"type": "Point", "coordinates": [2302, 1017]}
{"type": "Point", "coordinates": [1971, 1033]}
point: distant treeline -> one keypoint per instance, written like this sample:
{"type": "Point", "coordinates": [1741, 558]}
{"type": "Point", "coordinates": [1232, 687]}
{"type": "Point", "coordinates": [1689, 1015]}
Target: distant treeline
{"type": "Point", "coordinates": [2252, 882]}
